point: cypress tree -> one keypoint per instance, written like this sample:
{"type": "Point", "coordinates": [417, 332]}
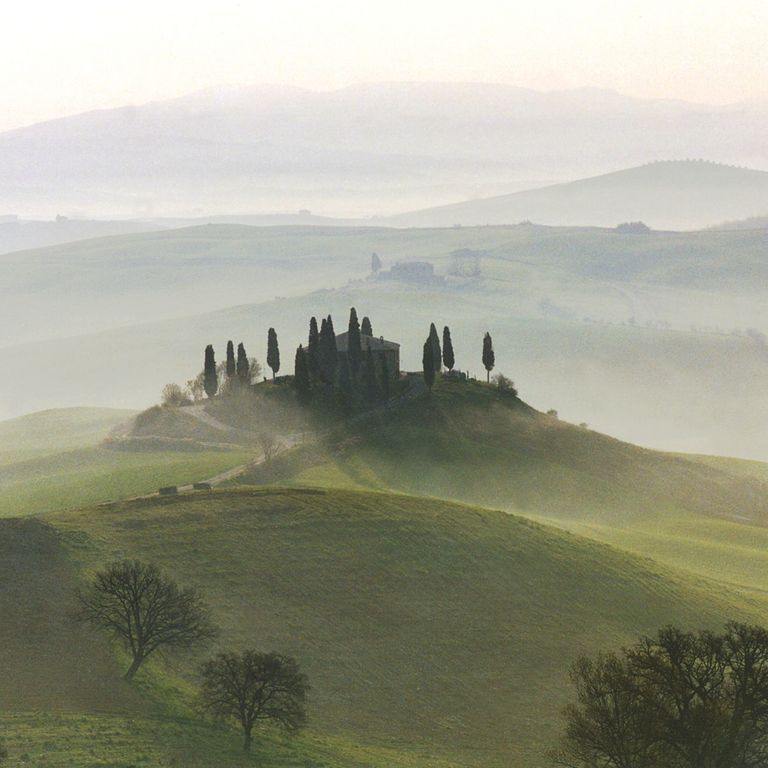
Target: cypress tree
{"type": "Point", "coordinates": [231, 368]}
{"type": "Point", "coordinates": [329, 355]}
{"type": "Point", "coordinates": [322, 350]}
{"type": "Point", "coordinates": [354, 348]}
{"type": "Point", "coordinates": [273, 352]}
{"type": "Point", "coordinates": [448, 357]}
{"type": "Point", "coordinates": [428, 363]}
{"type": "Point", "coordinates": [365, 328]}
{"type": "Point", "coordinates": [434, 340]}
{"type": "Point", "coordinates": [489, 358]}
{"type": "Point", "coordinates": [301, 375]}
{"type": "Point", "coordinates": [313, 350]}
{"type": "Point", "coordinates": [210, 379]}
{"type": "Point", "coordinates": [243, 366]}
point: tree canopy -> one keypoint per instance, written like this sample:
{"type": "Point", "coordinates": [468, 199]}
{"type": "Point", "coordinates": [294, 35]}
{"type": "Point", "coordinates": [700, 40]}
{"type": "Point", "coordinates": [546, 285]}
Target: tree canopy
{"type": "Point", "coordinates": [145, 610]}
{"type": "Point", "coordinates": [273, 352]}
{"type": "Point", "coordinates": [253, 687]}
{"type": "Point", "coordinates": [448, 357]}
{"type": "Point", "coordinates": [354, 348]}
{"type": "Point", "coordinates": [301, 375]}
{"type": "Point", "coordinates": [489, 357]}
{"type": "Point", "coordinates": [678, 700]}
{"type": "Point", "coordinates": [243, 367]}
{"type": "Point", "coordinates": [437, 355]}
{"type": "Point", "coordinates": [231, 365]}
{"type": "Point", "coordinates": [210, 377]}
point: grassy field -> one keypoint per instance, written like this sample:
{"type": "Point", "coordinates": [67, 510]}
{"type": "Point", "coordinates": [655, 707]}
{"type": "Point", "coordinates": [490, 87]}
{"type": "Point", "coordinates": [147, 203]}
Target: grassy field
{"type": "Point", "coordinates": [433, 633]}
{"type": "Point", "coordinates": [466, 442]}
{"type": "Point", "coordinates": [94, 475]}
{"type": "Point", "coordinates": [49, 432]}
{"type": "Point", "coordinates": [57, 459]}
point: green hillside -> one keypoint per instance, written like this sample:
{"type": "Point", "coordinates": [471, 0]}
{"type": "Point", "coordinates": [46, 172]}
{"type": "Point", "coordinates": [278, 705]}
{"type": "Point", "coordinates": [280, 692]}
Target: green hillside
{"type": "Point", "coordinates": [428, 629]}
{"type": "Point", "coordinates": [467, 442]}
{"type": "Point", "coordinates": [61, 458]}
{"type": "Point", "coordinates": [47, 432]}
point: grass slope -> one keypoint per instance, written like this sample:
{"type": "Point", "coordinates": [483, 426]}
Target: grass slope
{"type": "Point", "coordinates": [467, 442]}
{"type": "Point", "coordinates": [48, 432]}
{"type": "Point", "coordinates": [58, 459]}
{"type": "Point", "coordinates": [429, 629]}
{"type": "Point", "coordinates": [673, 195]}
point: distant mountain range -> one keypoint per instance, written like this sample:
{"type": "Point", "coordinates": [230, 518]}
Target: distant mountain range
{"type": "Point", "coordinates": [665, 195]}
{"type": "Point", "coordinates": [355, 152]}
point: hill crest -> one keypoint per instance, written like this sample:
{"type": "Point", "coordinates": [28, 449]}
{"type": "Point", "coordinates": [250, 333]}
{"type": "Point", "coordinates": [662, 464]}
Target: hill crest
{"type": "Point", "coordinates": [667, 194]}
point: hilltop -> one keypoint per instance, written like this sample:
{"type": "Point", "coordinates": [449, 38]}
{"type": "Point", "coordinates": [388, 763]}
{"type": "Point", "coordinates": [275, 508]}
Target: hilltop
{"type": "Point", "coordinates": [433, 633]}
{"type": "Point", "coordinates": [663, 195]}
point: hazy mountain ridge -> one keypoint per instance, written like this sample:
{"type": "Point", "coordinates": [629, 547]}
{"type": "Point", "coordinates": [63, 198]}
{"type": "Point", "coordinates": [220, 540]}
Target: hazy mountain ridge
{"type": "Point", "coordinates": [664, 195]}
{"type": "Point", "coordinates": [361, 150]}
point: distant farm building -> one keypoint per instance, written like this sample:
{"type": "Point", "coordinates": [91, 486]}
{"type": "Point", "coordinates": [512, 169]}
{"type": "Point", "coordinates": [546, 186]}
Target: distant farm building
{"type": "Point", "coordinates": [386, 354]}
{"type": "Point", "coordinates": [418, 272]}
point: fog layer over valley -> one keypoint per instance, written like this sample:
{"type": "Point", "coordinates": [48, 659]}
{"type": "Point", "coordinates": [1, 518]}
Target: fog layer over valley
{"type": "Point", "coordinates": [651, 337]}
{"type": "Point", "coordinates": [365, 150]}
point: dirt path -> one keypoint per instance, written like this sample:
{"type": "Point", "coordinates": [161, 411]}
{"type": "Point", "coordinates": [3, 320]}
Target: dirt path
{"type": "Point", "coordinates": [199, 413]}
{"type": "Point", "coordinates": [287, 442]}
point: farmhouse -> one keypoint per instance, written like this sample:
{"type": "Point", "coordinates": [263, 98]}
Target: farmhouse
{"type": "Point", "coordinates": [385, 353]}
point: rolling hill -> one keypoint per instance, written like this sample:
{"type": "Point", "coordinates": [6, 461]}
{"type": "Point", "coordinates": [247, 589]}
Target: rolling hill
{"type": "Point", "coordinates": [668, 388]}
{"type": "Point", "coordinates": [467, 442]}
{"type": "Point", "coordinates": [433, 633]}
{"type": "Point", "coordinates": [64, 458]}
{"type": "Point", "coordinates": [358, 151]}
{"type": "Point", "coordinates": [663, 195]}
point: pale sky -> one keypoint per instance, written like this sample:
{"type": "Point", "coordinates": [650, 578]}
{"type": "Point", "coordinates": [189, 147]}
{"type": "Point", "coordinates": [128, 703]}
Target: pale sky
{"type": "Point", "coordinates": [59, 58]}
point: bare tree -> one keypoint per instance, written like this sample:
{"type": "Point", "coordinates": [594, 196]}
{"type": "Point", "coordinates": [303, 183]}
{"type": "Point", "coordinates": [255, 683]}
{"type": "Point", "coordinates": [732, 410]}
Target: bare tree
{"type": "Point", "coordinates": [270, 445]}
{"type": "Point", "coordinates": [145, 610]}
{"type": "Point", "coordinates": [678, 700]}
{"type": "Point", "coordinates": [174, 396]}
{"type": "Point", "coordinates": [254, 687]}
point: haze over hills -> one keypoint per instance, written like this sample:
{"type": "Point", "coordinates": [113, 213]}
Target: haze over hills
{"type": "Point", "coordinates": [663, 195]}
{"type": "Point", "coordinates": [358, 151]}
{"type": "Point", "coordinates": [638, 335]}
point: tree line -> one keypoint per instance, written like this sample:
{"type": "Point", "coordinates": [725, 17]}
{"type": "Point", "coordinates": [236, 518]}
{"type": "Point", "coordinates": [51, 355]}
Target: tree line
{"type": "Point", "coordinates": [359, 378]}
{"type": "Point", "coordinates": [434, 357]}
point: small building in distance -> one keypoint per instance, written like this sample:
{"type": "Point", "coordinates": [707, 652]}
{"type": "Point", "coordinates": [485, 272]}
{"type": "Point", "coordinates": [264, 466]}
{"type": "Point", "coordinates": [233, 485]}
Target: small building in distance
{"type": "Point", "coordinates": [414, 272]}
{"type": "Point", "coordinates": [381, 349]}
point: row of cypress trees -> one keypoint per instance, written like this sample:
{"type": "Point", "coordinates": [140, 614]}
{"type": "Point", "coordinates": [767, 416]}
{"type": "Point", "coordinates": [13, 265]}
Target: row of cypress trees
{"type": "Point", "coordinates": [238, 369]}
{"type": "Point", "coordinates": [434, 358]}
{"type": "Point", "coordinates": [318, 364]}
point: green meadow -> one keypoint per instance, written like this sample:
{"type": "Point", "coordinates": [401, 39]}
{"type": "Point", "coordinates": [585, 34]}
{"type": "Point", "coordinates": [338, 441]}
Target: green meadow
{"type": "Point", "coordinates": [59, 459]}
{"type": "Point", "coordinates": [433, 633]}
